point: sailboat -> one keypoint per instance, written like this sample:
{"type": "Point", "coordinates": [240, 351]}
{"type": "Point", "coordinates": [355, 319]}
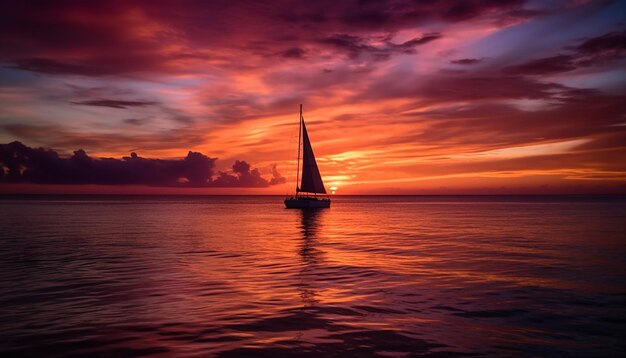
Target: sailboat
{"type": "Point", "coordinates": [310, 192]}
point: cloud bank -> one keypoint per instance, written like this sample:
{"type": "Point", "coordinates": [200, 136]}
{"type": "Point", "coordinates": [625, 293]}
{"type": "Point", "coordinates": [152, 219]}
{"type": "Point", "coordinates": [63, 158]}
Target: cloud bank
{"type": "Point", "coordinates": [22, 164]}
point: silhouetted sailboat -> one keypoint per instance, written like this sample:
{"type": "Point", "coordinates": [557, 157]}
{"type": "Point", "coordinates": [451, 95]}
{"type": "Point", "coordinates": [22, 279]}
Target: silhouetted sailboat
{"type": "Point", "coordinates": [311, 184]}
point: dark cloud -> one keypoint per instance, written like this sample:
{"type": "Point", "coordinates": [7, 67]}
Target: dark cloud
{"type": "Point", "coordinates": [426, 38]}
{"type": "Point", "coordinates": [466, 61]}
{"type": "Point", "coordinates": [595, 51]}
{"type": "Point", "coordinates": [468, 9]}
{"type": "Point", "coordinates": [397, 14]}
{"type": "Point", "coordinates": [109, 96]}
{"type": "Point", "coordinates": [104, 38]}
{"type": "Point", "coordinates": [614, 42]}
{"type": "Point", "coordinates": [554, 64]}
{"type": "Point", "coordinates": [113, 103]}
{"type": "Point", "coordinates": [20, 163]}
{"type": "Point", "coordinates": [44, 166]}
{"type": "Point", "coordinates": [601, 50]}
{"type": "Point", "coordinates": [356, 46]}
{"type": "Point", "coordinates": [244, 177]}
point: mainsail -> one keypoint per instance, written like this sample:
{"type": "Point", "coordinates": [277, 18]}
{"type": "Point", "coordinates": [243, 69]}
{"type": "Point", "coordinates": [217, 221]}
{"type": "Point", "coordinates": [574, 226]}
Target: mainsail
{"type": "Point", "coordinates": [311, 178]}
{"type": "Point", "coordinates": [311, 181]}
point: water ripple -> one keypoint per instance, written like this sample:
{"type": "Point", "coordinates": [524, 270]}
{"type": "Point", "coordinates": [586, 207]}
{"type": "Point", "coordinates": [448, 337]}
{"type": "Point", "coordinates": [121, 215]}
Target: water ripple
{"type": "Point", "coordinates": [241, 276]}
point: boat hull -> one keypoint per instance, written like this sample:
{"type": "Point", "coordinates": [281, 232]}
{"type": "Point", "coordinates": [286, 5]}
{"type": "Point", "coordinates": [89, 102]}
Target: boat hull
{"type": "Point", "coordinates": [292, 203]}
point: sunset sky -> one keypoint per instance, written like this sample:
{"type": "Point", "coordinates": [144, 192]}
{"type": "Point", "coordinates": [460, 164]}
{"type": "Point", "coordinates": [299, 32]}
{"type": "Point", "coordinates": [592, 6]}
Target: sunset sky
{"type": "Point", "coordinates": [400, 97]}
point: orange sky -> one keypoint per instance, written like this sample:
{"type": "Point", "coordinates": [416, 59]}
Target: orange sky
{"type": "Point", "coordinates": [513, 97]}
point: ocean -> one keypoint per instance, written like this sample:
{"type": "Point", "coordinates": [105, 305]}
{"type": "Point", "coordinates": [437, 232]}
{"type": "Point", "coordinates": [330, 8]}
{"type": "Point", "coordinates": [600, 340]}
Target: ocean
{"type": "Point", "coordinates": [388, 276]}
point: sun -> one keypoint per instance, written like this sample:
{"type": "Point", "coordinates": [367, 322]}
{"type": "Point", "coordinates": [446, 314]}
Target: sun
{"type": "Point", "coordinates": [333, 189]}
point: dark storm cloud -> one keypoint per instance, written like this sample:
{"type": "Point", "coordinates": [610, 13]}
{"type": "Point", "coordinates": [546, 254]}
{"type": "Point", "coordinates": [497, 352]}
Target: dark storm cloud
{"type": "Point", "coordinates": [20, 163]}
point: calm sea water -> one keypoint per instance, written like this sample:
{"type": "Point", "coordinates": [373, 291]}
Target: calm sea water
{"type": "Point", "coordinates": [372, 276]}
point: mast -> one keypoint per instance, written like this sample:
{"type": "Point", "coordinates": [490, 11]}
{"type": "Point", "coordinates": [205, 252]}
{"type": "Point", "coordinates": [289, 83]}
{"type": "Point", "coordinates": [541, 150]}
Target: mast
{"type": "Point", "coordinates": [299, 139]}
